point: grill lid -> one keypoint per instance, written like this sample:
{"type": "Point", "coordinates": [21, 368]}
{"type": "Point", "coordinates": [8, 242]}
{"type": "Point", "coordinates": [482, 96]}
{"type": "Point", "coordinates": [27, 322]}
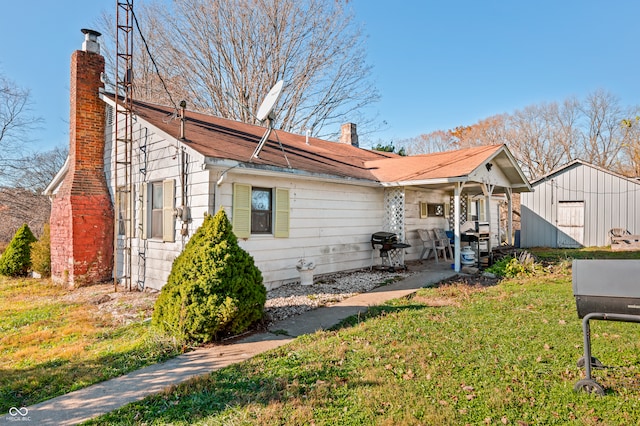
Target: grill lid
{"type": "Point", "coordinates": [384, 237]}
{"type": "Point", "coordinates": [611, 277]}
{"type": "Point", "coordinates": [606, 286]}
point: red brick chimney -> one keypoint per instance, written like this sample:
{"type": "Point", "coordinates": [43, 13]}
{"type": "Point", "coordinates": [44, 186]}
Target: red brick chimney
{"type": "Point", "coordinates": [82, 211]}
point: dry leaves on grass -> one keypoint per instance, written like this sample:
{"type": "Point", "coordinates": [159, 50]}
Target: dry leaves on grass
{"type": "Point", "coordinates": [121, 307]}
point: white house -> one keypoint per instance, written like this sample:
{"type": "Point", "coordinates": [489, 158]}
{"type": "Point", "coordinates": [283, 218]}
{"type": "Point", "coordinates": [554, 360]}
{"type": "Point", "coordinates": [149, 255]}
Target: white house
{"type": "Point", "coordinates": [296, 198]}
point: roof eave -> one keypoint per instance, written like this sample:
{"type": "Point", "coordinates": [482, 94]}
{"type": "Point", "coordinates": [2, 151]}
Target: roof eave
{"type": "Point", "coordinates": [57, 179]}
{"type": "Point", "coordinates": [225, 166]}
{"type": "Point", "coordinates": [423, 182]}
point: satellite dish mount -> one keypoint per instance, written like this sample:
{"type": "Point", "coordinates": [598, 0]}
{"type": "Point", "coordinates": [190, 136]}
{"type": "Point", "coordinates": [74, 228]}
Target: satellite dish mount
{"type": "Point", "coordinates": [265, 113]}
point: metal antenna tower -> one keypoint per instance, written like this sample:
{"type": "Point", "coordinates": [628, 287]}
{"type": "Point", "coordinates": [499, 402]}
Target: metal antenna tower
{"type": "Point", "coordinates": [123, 150]}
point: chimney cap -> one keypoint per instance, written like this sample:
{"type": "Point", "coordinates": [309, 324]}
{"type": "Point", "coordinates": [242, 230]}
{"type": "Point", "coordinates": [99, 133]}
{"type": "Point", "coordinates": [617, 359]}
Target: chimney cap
{"type": "Point", "coordinates": [90, 43]}
{"type": "Point", "coordinates": [90, 32]}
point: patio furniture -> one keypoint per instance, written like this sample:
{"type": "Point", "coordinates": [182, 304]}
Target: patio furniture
{"type": "Point", "coordinates": [443, 240]}
{"type": "Point", "coordinates": [623, 240]}
{"type": "Point", "coordinates": [429, 244]}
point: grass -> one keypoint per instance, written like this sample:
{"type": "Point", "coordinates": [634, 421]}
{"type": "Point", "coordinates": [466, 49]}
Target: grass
{"type": "Point", "coordinates": [51, 344]}
{"type": "Point", "coordinates": [450, 355]}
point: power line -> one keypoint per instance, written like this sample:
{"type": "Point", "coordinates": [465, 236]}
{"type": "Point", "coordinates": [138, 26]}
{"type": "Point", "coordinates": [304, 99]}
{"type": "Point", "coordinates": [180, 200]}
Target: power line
{"type": "Point", "coordinates": [153, 61]}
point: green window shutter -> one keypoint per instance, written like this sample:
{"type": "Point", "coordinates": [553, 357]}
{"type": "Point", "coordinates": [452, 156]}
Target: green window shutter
{"type": "Point", "coordinates": [282, 214]}
{"type": "Point", "coordinates": [143, 211]}
{"type": "Point", "coordinates": [242, 210]}
{"type": "Point", "coordinates": [168, 218]}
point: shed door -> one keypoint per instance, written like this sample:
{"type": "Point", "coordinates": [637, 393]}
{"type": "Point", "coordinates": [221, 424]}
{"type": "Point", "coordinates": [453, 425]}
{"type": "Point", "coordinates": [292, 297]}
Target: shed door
{"type": "Point", "coordinates": [570, 224]}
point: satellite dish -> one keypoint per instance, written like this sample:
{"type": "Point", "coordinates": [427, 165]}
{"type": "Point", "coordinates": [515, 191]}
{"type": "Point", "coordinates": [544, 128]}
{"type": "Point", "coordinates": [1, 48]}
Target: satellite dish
{"type": "Point", "coordinates": [263, 114]}
{"type": "Point", "coordinates": [269, 101]}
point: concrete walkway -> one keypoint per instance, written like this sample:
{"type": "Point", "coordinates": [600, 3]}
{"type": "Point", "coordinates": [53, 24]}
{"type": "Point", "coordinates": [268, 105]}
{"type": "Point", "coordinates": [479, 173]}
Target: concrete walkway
{"type": "Point", "coordinates": [110, 395]}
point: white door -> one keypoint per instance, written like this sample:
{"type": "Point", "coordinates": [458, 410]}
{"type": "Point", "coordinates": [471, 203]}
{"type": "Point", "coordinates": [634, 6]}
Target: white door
{"type": "Point", "coordinates": [570, 224]}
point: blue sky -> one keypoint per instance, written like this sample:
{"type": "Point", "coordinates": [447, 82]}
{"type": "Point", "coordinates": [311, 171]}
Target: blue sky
{"type": "Point", "coordinates": [438, 64]}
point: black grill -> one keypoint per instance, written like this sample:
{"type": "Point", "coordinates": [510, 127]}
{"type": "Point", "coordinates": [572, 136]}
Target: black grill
{"type": "Point", "coordinates": [387, 243]}
{"type": "Point", "coordinates": [604, 290]}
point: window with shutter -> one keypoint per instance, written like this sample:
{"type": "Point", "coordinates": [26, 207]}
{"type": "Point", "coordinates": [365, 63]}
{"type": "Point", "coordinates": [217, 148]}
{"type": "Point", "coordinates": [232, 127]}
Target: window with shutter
{"type": "Point", "coordinates": [260, 211]}
{"type": "Point", "coordinates": [159, 221]}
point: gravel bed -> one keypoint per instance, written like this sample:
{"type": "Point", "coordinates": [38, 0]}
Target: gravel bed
{"type": "Point", "coordinates": [294, 299]}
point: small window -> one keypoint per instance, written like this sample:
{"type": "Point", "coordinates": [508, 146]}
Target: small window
{"type": "Point", "coordinates": [261, 211]}
{"type": "Point", "coordinates": [158, 218]}
{"type": "Point", "coordinates": [435, 209]}
{"type": "Point", "coordinates": [432, 210]}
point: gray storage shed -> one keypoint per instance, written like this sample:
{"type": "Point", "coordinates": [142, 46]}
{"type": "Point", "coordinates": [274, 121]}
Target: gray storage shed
{"type": "Point", "coordinates": [576, 206]}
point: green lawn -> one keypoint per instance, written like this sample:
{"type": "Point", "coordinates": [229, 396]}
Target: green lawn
{"type": "Point", "coordinates": [450, 355]}
{"type": "Point", "coordinates": [52, 342]}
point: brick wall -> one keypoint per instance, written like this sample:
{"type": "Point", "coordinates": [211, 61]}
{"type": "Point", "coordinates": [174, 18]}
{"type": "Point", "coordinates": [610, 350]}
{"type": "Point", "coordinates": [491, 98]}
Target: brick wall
{"type": "Point", "coordinates": [82, 210]}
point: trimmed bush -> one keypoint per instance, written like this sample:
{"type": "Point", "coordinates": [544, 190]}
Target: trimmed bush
{"type": "Point", "coordinates": [41, 253]}
{"type": "Point", "coordinates": [214, 288]}
{"type": "Point", "coordinates": [16, 259]}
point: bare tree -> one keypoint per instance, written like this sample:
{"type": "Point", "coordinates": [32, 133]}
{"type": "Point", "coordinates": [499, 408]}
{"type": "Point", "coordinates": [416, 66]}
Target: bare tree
{"type": "Point", "coordinates": [15, 123]}
{"type": "Point", "coordinates": [631, 145]}
{"type": "Point", "coordinates": [19, 206]}
{"type": "Point", "coordinates": [545, 136]}
{"type": "Point", "coordinates": [222, 57]}
{"type": "Point", "coordinates": [438, 141]}
{"type": "Point", "coordinates": [602, 134]}
{"type": "Point", "coordinates": [489, 131]}
{"type": "Point", "coordinates": [38, 169]}
{"type": "Point", "coordinates": [541, 137]}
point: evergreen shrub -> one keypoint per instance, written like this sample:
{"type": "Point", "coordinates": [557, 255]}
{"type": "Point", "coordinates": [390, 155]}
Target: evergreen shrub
{"type": "Point", "coordinates": [41, 253]}
{"type": "Point", "coordinates": [214, 288]}
{"type": "Point", "coordinates": [16, 259]}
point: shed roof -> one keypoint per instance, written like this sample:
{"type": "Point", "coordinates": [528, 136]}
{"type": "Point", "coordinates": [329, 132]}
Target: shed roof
{"type": "Point", "coordinates": [579, 162]}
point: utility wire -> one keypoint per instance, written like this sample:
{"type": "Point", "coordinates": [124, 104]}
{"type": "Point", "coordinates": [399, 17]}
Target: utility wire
{"type": "Point", "coordinates": [153, 61]}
